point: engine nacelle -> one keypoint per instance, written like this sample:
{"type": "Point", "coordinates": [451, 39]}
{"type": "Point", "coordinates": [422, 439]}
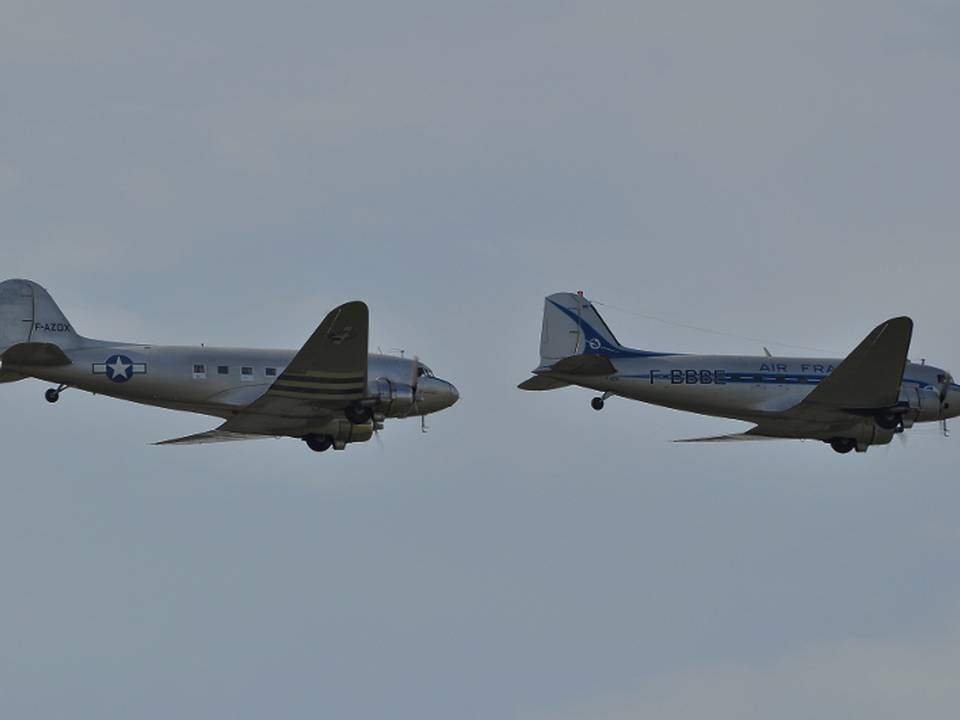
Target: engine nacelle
{"type": "Point", "coordinates": [341, 431]}
{"type": "Point", "coordinates": [393, 399]}
{"type": "Point", "coordinates": [870, 433]}
{"type": "Point", "coordinates": [923, 403]}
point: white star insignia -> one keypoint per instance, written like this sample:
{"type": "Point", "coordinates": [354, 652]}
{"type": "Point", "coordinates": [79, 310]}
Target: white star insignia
{"type": "Point", "coordinates": [119, 367]}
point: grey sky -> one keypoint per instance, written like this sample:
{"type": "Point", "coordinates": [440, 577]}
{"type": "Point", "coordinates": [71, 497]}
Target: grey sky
{"type": "Point", "coordinates": [228, 173]}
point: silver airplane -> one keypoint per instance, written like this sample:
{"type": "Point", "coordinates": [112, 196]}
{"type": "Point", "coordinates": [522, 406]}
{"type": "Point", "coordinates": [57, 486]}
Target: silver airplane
{"type": "Point", "coordinates": [329, 393]}
{"type": "Point", "coordinates": [862, 400]}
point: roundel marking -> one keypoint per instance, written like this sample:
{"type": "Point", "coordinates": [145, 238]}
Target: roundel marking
{"type": "Point", "coordinates": [119, 368]}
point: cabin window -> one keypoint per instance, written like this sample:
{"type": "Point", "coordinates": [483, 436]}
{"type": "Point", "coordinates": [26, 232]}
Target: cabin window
{"type": "Point", "coordinates": [199, 371]}
{"type": "Point", "coordinates": [223, 369]}
{"type": "Point", "coordinates": [270, 372]}
{"type": "Point", "coordinates": [246, 373]}
{"type": "Point", "coordinates": [781, 378]}
{"type": "Point", "coordinates": [758, 378]}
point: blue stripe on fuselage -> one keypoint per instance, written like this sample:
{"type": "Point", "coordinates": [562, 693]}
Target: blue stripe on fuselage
{"type": "Point", "coordinates": [748, 378]}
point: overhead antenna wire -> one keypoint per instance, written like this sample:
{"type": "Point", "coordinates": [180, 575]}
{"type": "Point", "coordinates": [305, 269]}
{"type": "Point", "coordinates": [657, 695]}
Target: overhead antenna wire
{"type": "Point", "coordinates": [709, 330]}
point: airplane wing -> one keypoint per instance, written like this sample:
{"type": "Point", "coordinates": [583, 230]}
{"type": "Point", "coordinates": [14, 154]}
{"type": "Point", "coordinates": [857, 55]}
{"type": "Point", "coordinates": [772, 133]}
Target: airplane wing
{"type": "Point", "coordinates": [211, 436]}
{"type": "Point", "coordinates": [326, 375]}
{"type": "Point", "coordinates": [870, 377]}
{"type": "Point", "coordinates": [787, 427]}
{"type": "Point", "coordinates": [736, 437]}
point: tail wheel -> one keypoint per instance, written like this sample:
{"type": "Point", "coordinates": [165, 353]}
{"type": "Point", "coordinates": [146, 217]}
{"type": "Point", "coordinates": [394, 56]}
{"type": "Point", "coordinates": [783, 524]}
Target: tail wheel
{"type": "Point", "coordinates": [51, 395]}
{"type": "Point", "coordinates": [318, 443]}
{"type": "Point", "coordinates": [597, 403]}
{"type": "Point", "coordinates": [843, 445]}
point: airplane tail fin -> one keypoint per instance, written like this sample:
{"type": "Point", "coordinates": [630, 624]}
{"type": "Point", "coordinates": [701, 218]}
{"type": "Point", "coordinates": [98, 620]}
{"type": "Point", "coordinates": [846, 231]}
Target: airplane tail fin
{"type": "Point", "coordinates": [29, 315]}
{"type": "Point", "coordinates": [572, 326]}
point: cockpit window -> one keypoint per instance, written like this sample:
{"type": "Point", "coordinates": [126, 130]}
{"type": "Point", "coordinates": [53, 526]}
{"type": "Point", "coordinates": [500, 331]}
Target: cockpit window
{"type": "Point", "coordinates": [424, 370]}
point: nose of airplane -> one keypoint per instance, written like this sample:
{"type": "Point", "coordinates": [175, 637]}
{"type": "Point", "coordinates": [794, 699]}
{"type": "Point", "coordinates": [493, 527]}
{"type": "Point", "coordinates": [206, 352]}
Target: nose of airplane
{"type": "Point", "coordinates": [436, 394]}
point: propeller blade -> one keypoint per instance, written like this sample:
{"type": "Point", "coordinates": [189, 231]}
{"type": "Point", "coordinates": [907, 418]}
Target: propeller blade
{"type": "Point", "coordinates": [414, 380]}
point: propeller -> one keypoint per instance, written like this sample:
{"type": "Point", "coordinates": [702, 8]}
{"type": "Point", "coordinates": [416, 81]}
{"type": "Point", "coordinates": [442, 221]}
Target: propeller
{"type": "Point", "coordinates": [414, 374]}
{"type": "Point", "coordinates": [944, 392]}
{"type": "Point", "coordinates": [414, 383]}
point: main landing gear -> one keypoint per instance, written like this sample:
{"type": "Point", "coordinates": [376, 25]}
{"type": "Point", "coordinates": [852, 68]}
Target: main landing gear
{"type": "Point", "coordinates": [843, 445]}
{"type": "Point", "coordinates": [889, 420]}
{"type": "Point", "coordinates": [53, 394]}
{"type": "Point", "coordinates": [597, 402]}
{"type": "Point", "coordinates": [318, 443]}
{"type": "Point", "coordinates": [358, 415]}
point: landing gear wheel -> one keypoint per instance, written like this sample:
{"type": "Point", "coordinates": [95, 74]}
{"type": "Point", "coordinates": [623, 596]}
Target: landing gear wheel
{"type": "Point", "coordinates": [843, 445]}
{"type": "Point", "coordinates": [888, 420]}
{"type": "Point", "coordinates": [318, 443]}
{"type": "Point", "coordinates": [358, 415]}
{"type": "Point", "coordinates": [51, 395]}
{"type": "Point", "coordinates": [597, 403]}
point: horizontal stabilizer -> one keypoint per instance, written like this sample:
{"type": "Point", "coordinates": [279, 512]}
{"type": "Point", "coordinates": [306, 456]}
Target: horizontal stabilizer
{"type": "Point", "coordinates": [584, 365]}
{"type": "Point", "coordinates": [542, 382]}
{"type": "Point", "coordinates": [211, 436]}
{"type": "Point", "coordinates": [35, 355]}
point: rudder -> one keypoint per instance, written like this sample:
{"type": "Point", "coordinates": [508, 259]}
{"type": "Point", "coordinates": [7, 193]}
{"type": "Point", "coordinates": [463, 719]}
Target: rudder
{"type": "Point", "coordinates": [572, 326]}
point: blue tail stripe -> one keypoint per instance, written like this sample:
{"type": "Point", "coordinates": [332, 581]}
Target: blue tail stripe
{"type": "Point", "coordinates": [595, 343]}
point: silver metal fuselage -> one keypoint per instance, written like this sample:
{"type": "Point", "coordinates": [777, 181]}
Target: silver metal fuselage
{"type": "Point", "coordinates": [164, 376]}
{"type": "Point", "coordinates": [743, 387]}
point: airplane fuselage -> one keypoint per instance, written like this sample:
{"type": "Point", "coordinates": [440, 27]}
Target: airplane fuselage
{"type": "Point", "coordinates": [751, 388]}
{"type": "Point", "coordinates": [209, 380]}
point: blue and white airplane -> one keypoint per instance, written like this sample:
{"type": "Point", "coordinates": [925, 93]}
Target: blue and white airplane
{"type": "Point", "coordinates": [853, 403]}
{"type": "Point", "coordinates": [329, 393]}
